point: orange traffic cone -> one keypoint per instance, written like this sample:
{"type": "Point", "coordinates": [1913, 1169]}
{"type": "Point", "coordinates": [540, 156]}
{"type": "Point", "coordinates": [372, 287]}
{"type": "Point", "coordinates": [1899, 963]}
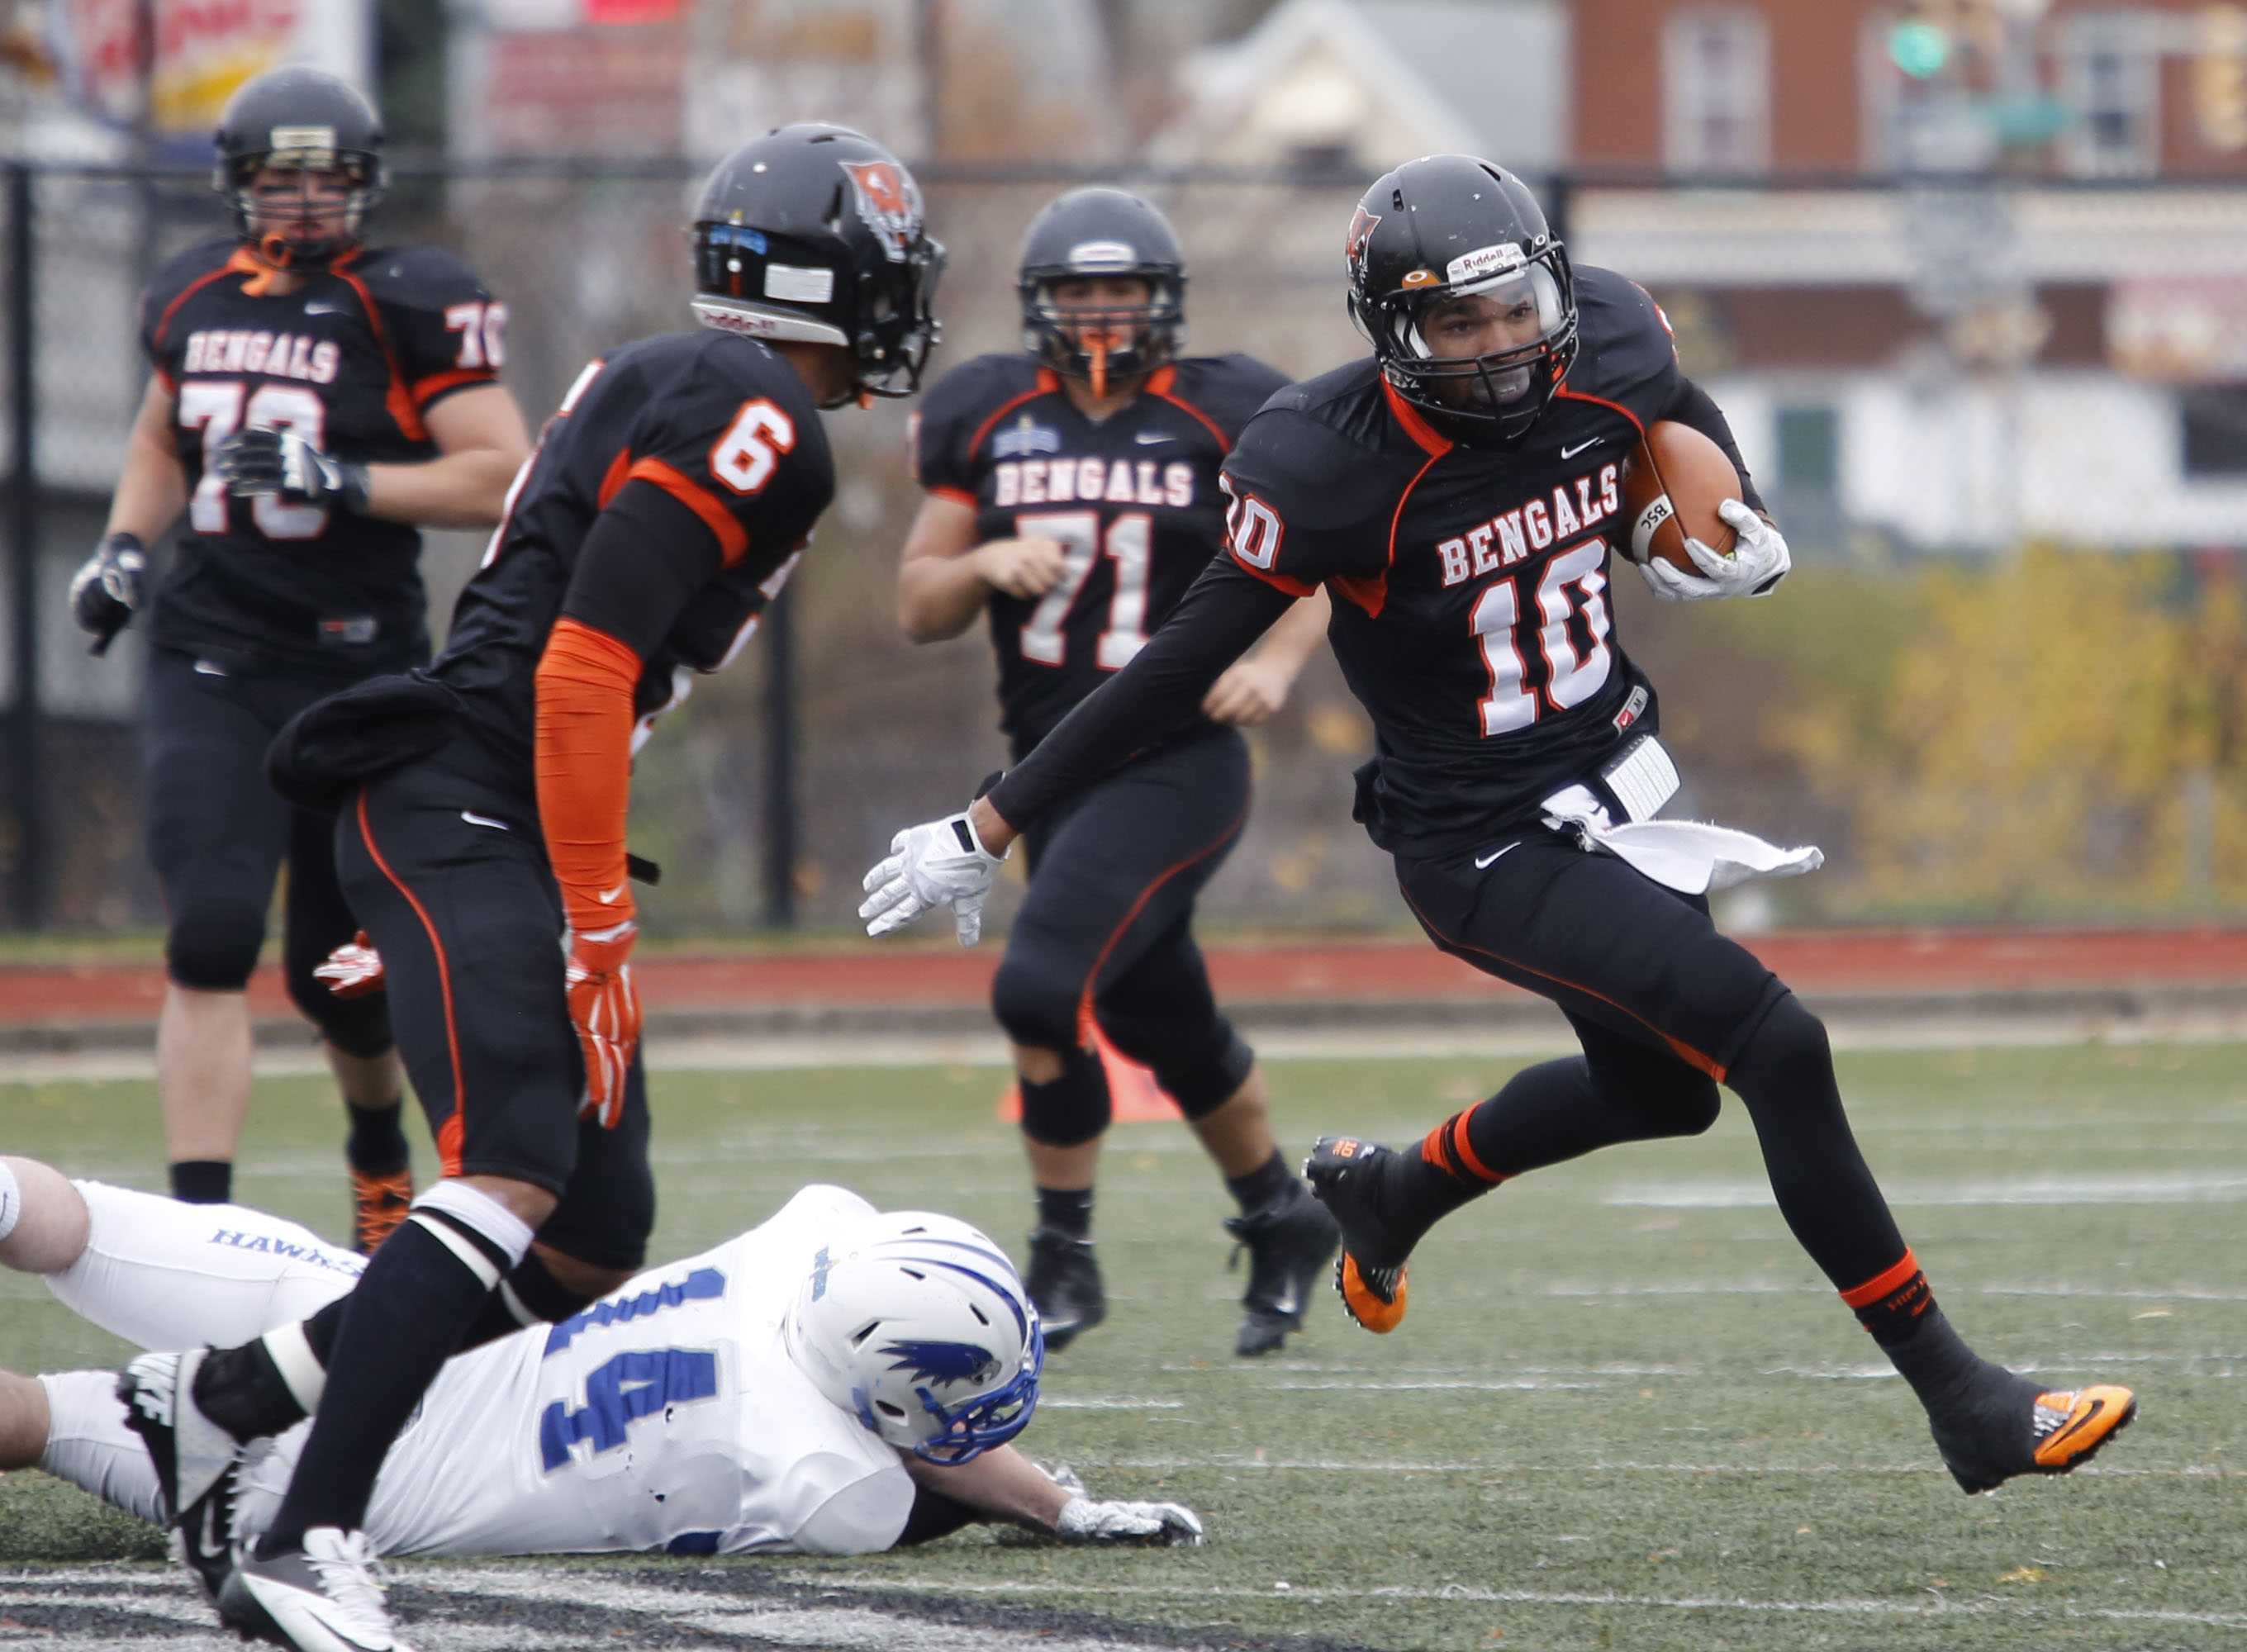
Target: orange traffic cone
{"type": "Point", "coordinates": [1131, 1088]}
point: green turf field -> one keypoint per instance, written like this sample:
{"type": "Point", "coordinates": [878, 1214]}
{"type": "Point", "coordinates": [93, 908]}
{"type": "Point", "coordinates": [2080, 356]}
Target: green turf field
{"type": "Point", "coordinates": [1625, 1412]}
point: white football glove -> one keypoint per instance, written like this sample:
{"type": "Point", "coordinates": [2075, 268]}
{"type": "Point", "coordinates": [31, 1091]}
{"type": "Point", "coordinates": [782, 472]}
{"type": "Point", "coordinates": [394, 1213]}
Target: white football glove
{"type": "Point", "coordinates": [1758, 563]}
{"type": "Point", "coordinates": [939, 863]}
{"type": "Point", "coordinates": [1084, 1520]}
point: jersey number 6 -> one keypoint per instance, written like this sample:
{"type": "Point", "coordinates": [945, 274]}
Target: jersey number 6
{"type": "Point", "coordinates": [749, 452]}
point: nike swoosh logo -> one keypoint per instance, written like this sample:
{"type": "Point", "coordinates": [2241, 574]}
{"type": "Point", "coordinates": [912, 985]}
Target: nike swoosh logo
{"type": "Point", "coordinates": [2049, 1451]}
{"type": "Point", "coordinates": [323, 310]}
{"type": "Point", "coordinates": [474, 819]}
{"type": "Point", "coordinates": [1570, 453]}
{"type": "Point", "coordinates": [609, 897]}
{"type": "Point", "coordinates": [1482, 862]}
{"type": "Point", "coordinates": [1149, 438]}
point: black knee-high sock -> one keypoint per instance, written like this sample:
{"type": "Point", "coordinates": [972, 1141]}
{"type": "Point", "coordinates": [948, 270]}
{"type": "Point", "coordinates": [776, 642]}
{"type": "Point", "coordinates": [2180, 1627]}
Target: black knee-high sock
{"type": "Point", "coordinates": [1542, 1114]}
{"type": "Point", "coordinates": [376, 1145]}
{"type": "Point", "coordinates": [1825, 1191]}
{"type": "Point", "coordinates": [400, 1324]}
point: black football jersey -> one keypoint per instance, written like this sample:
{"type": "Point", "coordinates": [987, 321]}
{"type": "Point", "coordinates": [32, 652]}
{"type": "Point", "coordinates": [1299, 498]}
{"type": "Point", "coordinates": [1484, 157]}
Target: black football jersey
{"type": "Point", "coordinates": [1132, 499]}
{"type": "Point", "coordinates": [719, 422]}
{"type": "Point", "coordinates": [351, 361]}
{"type": "Point", "coordinates": [1471, 613]}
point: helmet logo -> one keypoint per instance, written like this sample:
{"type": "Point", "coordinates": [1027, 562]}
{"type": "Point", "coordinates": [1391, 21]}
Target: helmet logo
{"type": "Point", "coordinates": [1361, 226]}
{"type": "Point", "coordinates": [822, 1265]}
{"type": "Point", "coordinates": [1421, 278]}
{"type": "Point", "coordinates": [889, 200]}
{"type": "Point", "coordinates": [943, 1364]}
{"type": "Point", "coordinates": [1498, 260]}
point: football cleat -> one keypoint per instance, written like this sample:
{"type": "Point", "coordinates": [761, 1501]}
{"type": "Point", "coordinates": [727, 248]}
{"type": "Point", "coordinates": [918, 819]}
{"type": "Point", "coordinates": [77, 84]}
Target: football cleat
{"type": "Point", "coordinates": [1064, 1282]}
{"type": "Point", "coordinates": [320, 1597]}
{"type": "Point", "coordinates": [378, 1205]}
{"type": "Point", "coordinates": [2003, 1425]}
{"type": "Point", "coordinates": [191, 1452]}
{"type": "Point", "coordinates": [1289, 1242]}
{"type": "Point", "coordinates": [202, 1539]}
{"type": "Point", "coordinates": [1349, 1177]}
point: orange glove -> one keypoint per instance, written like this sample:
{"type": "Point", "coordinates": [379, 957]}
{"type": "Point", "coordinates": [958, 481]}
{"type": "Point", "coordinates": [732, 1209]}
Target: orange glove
{"type": "Point", "coordinates": [353, 970]}
{"type": "Point", "coordinates": [604, 1008]}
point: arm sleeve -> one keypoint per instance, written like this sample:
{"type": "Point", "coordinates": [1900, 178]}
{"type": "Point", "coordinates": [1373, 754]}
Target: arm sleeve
{"type": "Point", "coordinates": [447, 330]}
{"type": "Point", "coordinates": [935, 1515]}
{"type": "Point", "coordinates": [644, 559]}
{"type": "Point", "coordinates": [1690, 404]}
{"type": "Point", "coordinates": [1217, 621]}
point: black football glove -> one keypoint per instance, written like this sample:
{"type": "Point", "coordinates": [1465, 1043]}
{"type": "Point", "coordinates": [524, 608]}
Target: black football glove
{"type": "Point", "coordinates": [257, 461]}
{"type": "Point", "coordinates": [106, 591]}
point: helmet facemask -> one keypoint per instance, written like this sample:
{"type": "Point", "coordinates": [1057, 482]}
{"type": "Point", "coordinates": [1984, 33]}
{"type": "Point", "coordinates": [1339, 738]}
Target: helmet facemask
{"type": "Point", "coordinates": [1078, 341]}
{"type": "Point", "coordinates": [258, 200]}
{"type": "Point", "coordinates": [1493, 397]}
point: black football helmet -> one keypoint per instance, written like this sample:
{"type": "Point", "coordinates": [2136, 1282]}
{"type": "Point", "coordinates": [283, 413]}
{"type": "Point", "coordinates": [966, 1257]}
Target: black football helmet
{"type": "Point", "coordinates": [1448, 227]}
{"type": "Point", "coordinates": [307, 119]}
{"type": "Point", "coordinates": [1102, 232]}
{"type": "Point", "coordinates": [816, 233]}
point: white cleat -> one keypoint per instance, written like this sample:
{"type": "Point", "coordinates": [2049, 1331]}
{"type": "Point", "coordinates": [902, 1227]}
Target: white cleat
{"type": "Point", "coordinates": [191, 1452]}
{"type": "Point", "coordinates": [320, 1597]}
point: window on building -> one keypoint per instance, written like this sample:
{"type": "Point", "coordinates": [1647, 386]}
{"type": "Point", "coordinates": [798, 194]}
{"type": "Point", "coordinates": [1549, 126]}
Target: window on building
{"type": "Point", "coordinates": [1809, 451]}
{"type": "Point", "coordinates": [2214, 432]}
{"type": "Point", "coordinates": [1716, 91]}
{"type": "Point", "coordinates": [2110, 80]}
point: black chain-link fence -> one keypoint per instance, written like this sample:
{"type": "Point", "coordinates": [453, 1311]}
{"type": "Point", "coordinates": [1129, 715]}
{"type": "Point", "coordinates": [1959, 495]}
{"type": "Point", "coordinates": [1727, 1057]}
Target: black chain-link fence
{"type": "Point", "coordinates": [1837, 323]}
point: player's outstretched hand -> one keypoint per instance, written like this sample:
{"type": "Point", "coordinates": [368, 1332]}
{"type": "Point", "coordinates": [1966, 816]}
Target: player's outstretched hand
{"type": "Point", "coordinates": [259, 461]}
{"type": "Point", "coordinates": [1028, 567]}
{"type": "Point", "coordinates": [1757, 562]}
{"type": "Point", "coordinates": [353, 970]}
{"type": "Point", "coordinates": [105, 593]}
{"type": "Point", "coordinates": [604, 1008]}
{"type": "Point", "coordinates": [1085, 1520]}
{"type": "Point", "coordinates": [939, 863]}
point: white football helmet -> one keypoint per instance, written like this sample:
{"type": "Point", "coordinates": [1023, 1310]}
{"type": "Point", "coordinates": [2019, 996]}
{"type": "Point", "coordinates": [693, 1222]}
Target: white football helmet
{"type": "Point", "coordinates": [919, 1326]}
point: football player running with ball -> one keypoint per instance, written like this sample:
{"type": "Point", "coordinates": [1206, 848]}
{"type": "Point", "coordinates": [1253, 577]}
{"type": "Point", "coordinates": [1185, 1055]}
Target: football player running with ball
{"type": "Point", "coordinates": [1073, 494]}
{"type": "Point", "coordinates": [1458, 493]}
{"type": "Point", "coordinates": [314, 403]}
{"type": "Point", "coordinates": [480, 819]}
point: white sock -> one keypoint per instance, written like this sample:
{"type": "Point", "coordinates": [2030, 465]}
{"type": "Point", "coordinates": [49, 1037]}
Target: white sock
{"type": "Point", "coordinates": [12, 1201]}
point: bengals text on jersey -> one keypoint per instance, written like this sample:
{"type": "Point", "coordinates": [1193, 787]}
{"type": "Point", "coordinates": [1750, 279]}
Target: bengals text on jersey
{"type": "Point", "coordinates": [351, 360]}
{"type": "Point", "coordinates": [1132, 499]}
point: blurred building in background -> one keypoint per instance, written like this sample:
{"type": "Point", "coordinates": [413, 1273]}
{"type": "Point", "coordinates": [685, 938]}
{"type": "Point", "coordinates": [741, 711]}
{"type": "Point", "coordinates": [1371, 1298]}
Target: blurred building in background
{"type": "Point", "coordinates": [1969, 276]}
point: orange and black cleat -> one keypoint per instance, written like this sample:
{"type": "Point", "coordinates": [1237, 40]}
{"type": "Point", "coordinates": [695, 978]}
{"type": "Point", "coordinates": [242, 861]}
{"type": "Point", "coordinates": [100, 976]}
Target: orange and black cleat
{"type": "Point", "coordinates": [1349, 1176]}
{"type": "Point", "coordinates": [378, 1205]}
{"type": "Point", "coordinates": [2013, 1428]}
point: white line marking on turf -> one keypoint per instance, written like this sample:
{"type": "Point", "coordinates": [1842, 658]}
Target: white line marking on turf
{"type": "Point", "coordinates": [2178, 1189]}
{"type": "Point", "coordinates": [1105, 1402]}
{"type": "Point", "coordinates": [1228, 1463]}
{"type": "Point", "coordinates": [1586, 1290]}
{"type": "Point", "coordinates": [1470, 1594]}
{"type": "Point", "coordinates": [1487, 1385]}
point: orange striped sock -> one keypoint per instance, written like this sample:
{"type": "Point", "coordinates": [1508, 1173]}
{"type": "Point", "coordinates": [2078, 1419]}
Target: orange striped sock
{"type": "Point", "coordinates": [1890, 1303]}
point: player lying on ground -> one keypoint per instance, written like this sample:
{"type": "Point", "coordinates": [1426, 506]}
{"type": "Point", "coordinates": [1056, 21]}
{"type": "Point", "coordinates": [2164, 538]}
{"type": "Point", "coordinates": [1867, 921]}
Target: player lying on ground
{"type": "Point", "coordinates": [705, 1407]}
{"type": "Point", "coordinates": [1457, 493]}
{"type": "Point", "coordinates": [1072, 495]}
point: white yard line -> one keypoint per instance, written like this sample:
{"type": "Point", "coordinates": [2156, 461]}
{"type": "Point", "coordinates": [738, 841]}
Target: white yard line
{"type": "Point", "coordinates": [1223, 1463]}
{"type": "Point", "coordinates": [2222, 1187]}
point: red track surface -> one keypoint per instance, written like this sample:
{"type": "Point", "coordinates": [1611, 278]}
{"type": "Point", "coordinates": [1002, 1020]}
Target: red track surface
{"type": "Point", "coordinates": [1854, 961]}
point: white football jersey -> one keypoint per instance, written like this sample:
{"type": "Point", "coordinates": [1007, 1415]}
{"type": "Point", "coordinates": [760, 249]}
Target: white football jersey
{"type": "Point", "coordinates": [666, 1417]}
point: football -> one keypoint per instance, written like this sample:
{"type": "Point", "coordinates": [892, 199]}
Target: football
{"type": "Point", "coordinates": [1673, 483]}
